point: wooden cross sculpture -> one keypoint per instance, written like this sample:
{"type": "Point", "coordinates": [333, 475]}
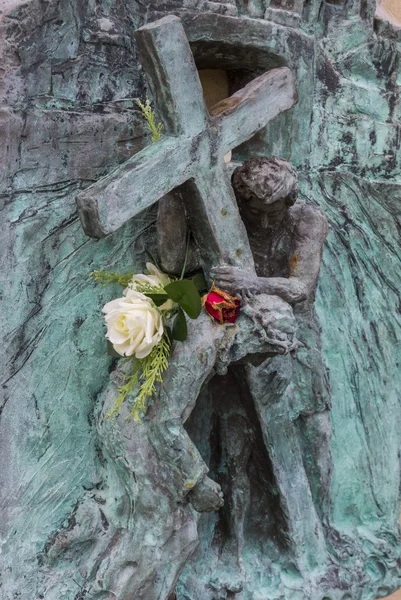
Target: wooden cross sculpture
{"type": "Point", "coordinates": [192, 149]}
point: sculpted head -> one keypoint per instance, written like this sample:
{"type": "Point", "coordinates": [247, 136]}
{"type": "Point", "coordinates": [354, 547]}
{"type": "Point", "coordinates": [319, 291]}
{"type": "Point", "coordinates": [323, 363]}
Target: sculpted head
{"type": "Point", "coordinates": [265, 188]}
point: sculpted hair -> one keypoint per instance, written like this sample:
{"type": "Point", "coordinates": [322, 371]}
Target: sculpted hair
{"type": "Point", "coordinates": [268, 178]}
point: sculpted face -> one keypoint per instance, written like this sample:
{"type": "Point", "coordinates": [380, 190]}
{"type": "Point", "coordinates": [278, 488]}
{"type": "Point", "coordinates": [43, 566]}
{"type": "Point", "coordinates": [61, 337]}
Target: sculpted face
{"type": "Point", "coordinates": [261, 215]}
{"type": "Point", "coordinates": [265, 188]}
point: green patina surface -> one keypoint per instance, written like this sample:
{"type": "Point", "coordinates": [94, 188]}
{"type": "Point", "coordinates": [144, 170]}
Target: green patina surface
{"type": "Point", "coordinates": [68, 117]}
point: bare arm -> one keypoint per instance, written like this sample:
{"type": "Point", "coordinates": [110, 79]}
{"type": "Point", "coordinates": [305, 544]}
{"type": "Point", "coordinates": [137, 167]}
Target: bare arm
{"type": "Point", "coordinates": [235, 281]}
{"type": "Point", "coordinates": [306, 254]}
{"type": "Point", "coordinates": [172, 231]}
{"type": "Point", "coordinates": [291, 290]}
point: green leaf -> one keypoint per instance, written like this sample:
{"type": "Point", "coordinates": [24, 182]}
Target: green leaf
{"type": "Point", "coordinates": [158, 299]}
{"type": "Point", "coordinates": [111, 351]}
{"type": "Point", "coordinates": [200, 283]}
{"type": "Point", "coordinates": [180, 329]}
{"type": "Point", "coordinates": [186, 295]}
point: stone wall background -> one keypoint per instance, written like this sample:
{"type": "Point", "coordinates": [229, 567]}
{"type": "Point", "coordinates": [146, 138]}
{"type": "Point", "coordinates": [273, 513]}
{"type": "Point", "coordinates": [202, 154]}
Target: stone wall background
{"type": "Point", "coordinates": [69, 74]}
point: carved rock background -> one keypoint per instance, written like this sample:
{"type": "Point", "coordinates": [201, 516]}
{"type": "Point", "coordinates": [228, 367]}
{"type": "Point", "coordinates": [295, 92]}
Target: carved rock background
{"type": "Point", "coordinates": [70, 72]}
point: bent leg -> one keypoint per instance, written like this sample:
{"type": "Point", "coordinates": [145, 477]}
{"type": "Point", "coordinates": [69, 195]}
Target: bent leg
{"type": "Point", "coordinates": [268, 385]}
{"type": "Point", "coordinates": [238, 441]}
{"type": "Point", "coordinates": [234, 442]}
{"type": "Point", "coordinates": [191, 363]}
{"type": "Point", "coordinates": [315, 437]}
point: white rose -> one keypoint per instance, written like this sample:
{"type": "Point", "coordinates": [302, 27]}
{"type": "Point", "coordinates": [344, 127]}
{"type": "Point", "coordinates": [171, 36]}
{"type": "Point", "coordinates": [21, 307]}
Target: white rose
{"type": "Point", "coordinates": [155, 278]}
{"type": "Point", "coordinates": [134, 325]}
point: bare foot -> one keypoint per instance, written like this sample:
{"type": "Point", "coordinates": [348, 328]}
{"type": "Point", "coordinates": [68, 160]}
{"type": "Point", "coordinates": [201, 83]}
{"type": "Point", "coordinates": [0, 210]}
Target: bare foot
{"type": "Point", "coordinates": [206, 496]}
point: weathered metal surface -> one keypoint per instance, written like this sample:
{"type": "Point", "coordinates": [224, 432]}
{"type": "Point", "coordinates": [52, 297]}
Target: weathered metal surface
{"type": "Point", "coordinates": [70, 72]}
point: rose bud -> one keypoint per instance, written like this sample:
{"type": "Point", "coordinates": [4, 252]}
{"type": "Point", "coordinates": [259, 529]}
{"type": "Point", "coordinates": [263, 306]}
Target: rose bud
{"type": "Point", "coordinates": [221, 306]}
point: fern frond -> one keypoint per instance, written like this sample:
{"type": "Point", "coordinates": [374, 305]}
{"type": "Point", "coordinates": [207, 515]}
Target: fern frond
{"type": "Point", "coordinates": [147, 288]}
{"type": "Point", "coordinates": [105, 277]}
{"type": "Point", "coordinates": [156, 129]}
{"type": "Point", "coordinates": [153, 366]}
{"type": "Point", "coordinates": [131, 379]}
{"type": "Point", "coordinates": [146, 371]}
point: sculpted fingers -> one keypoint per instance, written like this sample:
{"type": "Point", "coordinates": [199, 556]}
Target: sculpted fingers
{"type": "Point", "coordinates": [230, 279]}
{"type": "Point", "coordinates": [243, 296]}
{"type": "Point", "coordinates": [224, 279]}
{"type": "Point", "coordinates": [225, 271]}
{"type": "Point", "coordinates": [221, 279]}
{"type": "Point", "coordinates": [226, 287]}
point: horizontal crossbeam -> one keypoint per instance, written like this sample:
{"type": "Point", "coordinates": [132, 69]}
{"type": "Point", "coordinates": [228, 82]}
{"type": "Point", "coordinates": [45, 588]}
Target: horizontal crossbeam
{"type": "Point", "coordinates": [238, 117]}
{"type": "Point", "coordinates": [140, 182]}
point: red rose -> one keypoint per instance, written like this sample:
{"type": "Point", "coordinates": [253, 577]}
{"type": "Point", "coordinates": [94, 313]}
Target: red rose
{"type": "Point", "coordinates": [221, 306]}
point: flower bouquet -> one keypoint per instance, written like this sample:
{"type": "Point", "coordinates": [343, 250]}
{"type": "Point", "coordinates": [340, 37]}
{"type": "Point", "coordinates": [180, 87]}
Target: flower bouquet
{"type": "Point", "coordinates": [144, 322]}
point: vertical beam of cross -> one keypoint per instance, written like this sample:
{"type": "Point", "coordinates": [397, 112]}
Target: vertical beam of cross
{"type": "Point", "coordinates": [173, 77]}
{"type": "Point", "coordinates": [192, 150]}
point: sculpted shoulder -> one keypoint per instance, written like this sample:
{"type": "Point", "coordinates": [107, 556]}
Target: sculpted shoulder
{"type": "Point", "coordinates": [308, 220]}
